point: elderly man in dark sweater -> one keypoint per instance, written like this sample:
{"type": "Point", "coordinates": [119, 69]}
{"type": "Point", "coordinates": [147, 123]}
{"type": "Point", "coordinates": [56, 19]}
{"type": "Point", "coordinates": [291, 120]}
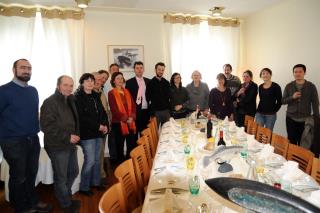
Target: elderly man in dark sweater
{"type": "Point", "coordinates": [19, 127]}
{"type": "Point", "coordinates": [60, 123]}
{"type": "Point", "coordinates": [300, 95]}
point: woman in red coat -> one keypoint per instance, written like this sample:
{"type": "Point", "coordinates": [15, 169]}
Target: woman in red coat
{"type": "Point", "coordinates": [123, 110]}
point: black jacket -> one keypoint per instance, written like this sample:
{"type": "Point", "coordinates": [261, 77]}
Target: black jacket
{"type": "Point", "coordinates": [158, 94]}
{"type": "Point", "coordinates": [133, 87]}
{"type": "Point", "coordinates": [247, 104]}
{"type": "Point", "coordinates": [58, 120]}
{"type": "Point", "coordinates": [91, 114]}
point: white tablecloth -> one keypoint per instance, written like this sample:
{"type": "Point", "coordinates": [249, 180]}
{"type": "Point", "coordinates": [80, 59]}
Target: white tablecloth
{"type": "Point", "coordinates": [45, 172]}
{"type": "Point", "coordinates": [170, 165]}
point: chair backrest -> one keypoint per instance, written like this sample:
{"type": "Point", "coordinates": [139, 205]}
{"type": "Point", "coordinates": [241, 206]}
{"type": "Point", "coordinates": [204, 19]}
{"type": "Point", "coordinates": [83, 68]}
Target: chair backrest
{"type": "Point", "coordinates": [252, 127]}
{"type": "Point", "coordinates": [144, 141]}
{"type": "Point", "coordinates": [302, 156]}
{"type": "Point", "coordinates": [141, 167]}
{"type": "Point", "coordinates": [280, 144]}
{"type": "Point", "coordinates": [127, 178]}
{"type": "Point", "coordinates": [263, 135]}
{"type": "Point", "coordinates": [153, 133]}
{"type": "Point", "coordinates": [113, 200]}
{"type": "Point", "coordinates": [315, 173]}
{"type": "Point", "coordinates": [147, 132]}
{"type": "Point", "coordinates": [246, 119]}
{"type": "Point", "coordinates": [154, 123]}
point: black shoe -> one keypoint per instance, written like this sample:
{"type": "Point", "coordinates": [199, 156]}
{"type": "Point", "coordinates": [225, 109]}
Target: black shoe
{"type": "Point", "coordinates": [104, 182]}
{"type": "Point", "coordinates": [76, 203]}
{"type": "Point", "coordinates": [86, 193]}
{"type": "Point", "coordinates": [42, 207]}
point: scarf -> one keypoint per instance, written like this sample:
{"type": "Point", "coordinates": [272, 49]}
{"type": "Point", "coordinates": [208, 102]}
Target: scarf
{"type": "Point", "coordinates": [124, 125]}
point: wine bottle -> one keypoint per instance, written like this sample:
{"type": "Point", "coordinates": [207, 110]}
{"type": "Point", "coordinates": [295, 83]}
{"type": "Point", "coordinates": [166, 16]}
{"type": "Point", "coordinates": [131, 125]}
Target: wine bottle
{"type": "Point", "coordinates": [198, 112]}
{"type": "Point", "coordinates": [209, 128]}
{"type": "Point", "coordinates": [221, 141]}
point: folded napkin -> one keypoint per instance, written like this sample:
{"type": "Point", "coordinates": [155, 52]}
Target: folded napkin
{"type": "Point", "coordinates": [242, 136]}
{"type": "Point", "coordinates": [232, 127]}
{"type": "Point", "coordinates": [172, 121]}
{"type": "Point", "coordinates": [290, 171]}
{"type": "Point", "coordinates": [314, 198]}
{"type": "Point", "coordinates": [266, 152]}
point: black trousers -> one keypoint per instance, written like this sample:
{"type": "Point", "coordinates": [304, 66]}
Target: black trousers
{"type": "Point", "coordinates": [239, 119]}
{"type": "Point", "coordinates": [22, 155]}
{"type": "Point", "coordinates": [119, 142]}
{"type": "Point", "coordinates": [294, 130]}
{"type": "Point", "coordinates": [142, 119]}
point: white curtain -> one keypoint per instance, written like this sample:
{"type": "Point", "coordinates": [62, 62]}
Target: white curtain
{"type": "Point", "coordinates": [201, 47]}
{"type": "Point", "coordinates": [16, 40]}
{"type": "Point", "coordinates": [53, 46]}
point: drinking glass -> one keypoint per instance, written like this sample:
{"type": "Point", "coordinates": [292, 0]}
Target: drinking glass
{"type": "Point", "coordinates": [190, 162]}
{"type": "Point", "coordinates": [194, 185]}
{"type": "Point", "coordinates": [187, 149]}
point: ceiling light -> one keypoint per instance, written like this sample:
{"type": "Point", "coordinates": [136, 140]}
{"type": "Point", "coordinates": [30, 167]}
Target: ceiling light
{"type": "Point", "coordinates": [82, 3]}
{"type": "Point", "coordinates": [216, 11]}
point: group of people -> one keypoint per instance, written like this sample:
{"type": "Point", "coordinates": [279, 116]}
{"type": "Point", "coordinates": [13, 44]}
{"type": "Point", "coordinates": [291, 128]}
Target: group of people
{"type": "Point", "coordinates": [233, 99]}
{"type": "Point", "coordinates": [120, 110]}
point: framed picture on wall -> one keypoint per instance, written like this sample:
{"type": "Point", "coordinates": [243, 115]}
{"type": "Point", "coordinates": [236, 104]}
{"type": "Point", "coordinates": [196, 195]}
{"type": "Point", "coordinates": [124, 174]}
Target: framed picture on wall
{"type": "Point", "coordinates": [125, 56]}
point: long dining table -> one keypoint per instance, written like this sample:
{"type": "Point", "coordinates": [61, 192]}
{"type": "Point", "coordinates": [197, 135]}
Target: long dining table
{"type": "Point", "coordinates": [184, 141]}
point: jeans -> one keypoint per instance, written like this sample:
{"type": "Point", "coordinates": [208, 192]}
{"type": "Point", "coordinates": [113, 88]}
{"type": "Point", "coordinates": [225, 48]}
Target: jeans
{"type": "Point", "coordinates": [294, 130]}
{"type": "Point", "coordinates": [90, 173]}
{"type": "Point", "coordinates": [65, 170]}
{"type": "Point", "coordinates": [119, 139]}
{"type": "Point", "coordinates": [267, 121]}
{"type": "Point", "coordinates": [22, 155]}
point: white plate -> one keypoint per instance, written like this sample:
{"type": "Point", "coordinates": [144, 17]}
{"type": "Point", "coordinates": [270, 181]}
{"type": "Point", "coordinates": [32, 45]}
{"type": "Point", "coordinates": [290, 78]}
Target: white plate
{"type": "Point", "coordinates": [305, 182]}
{"type": "Point", "coordinates": [179, 205]}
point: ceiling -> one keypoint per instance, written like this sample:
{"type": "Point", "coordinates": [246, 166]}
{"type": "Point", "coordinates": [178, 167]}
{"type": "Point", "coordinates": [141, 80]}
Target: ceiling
{"type": "Point", "coordinates": [234, 8]}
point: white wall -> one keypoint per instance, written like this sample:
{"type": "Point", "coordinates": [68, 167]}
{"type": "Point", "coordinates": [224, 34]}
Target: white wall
{"type": "Point", "coordinates": [104, 28]}
{"type": "Point", "coordinates": [279, 38]}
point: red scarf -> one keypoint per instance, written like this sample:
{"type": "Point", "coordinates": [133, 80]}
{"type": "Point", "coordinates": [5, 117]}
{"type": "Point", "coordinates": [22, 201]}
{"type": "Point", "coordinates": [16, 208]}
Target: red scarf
{"type": "Point", "coordinates": [122, 109]}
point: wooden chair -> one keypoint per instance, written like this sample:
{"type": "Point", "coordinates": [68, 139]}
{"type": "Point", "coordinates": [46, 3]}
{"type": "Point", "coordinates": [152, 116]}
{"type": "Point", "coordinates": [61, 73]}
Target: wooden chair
{"type": "Point", "coordinates": [144, 141]}
{"type": "Point", "coordinates": [315, 173]}
{"type": "Point", "coordinates": [153, 134]}
{"type": "Point", "coordinates": [302, 156]}
{"type": "Point", "coordinates": [153, 147]}
{"type": "Point", "coordinates": [154, 123]}
{"type": "Point", "coordinates": [127, 178]}
{"type": "Point", "coordinates": [263, 135]}
{"type": "Point", "coordinates": [280, 144]}
{"type": "Point", "coordinates": [252, 127]}
{"type": "Point", "coordinates": [246, 119]}
{"type": "Point", "coordinates": [141, 167]}
{"type": "Point", "coordinates": [113, 200]}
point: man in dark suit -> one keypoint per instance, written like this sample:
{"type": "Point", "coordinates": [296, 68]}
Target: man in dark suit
{"type": "Point", "coordinates": [137, 87]}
